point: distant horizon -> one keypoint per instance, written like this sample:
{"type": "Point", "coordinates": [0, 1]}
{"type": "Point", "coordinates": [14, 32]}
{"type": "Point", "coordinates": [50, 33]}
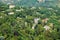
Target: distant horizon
{"type": "Point", "coordinates": [30, 3]}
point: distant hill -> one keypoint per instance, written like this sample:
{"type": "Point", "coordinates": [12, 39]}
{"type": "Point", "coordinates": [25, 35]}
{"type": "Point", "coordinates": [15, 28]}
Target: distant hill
{"type": "Point", "coordinates": [46, 3]}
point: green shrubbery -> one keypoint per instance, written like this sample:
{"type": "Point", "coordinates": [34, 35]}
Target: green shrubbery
{"type": "Point", "coordinates": [13, 27]}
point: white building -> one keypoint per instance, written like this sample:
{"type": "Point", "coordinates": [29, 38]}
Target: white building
{"type": "Point", "coordinates": [50, 8]}
{"type": "Point", "coordinates": [11, 6]}
{"type": "Point", "coordinates": [33, 26]}
{"type": "Point", "coordinates": [33, 8]}
{"type": "Point", "coordinates": [47, 27]}
{"type": "Point", "coordinates": [20, 10]}
{"type": "Point", "coordinates": [45, 20]}
{"type": "Point", "coordinates": [26, 23]}
{"type": "Point", "coordinates": [41, 1]}
{"type": "Point", "coordinates": [26, 16]}
{"type": "Point", "coordinates": [51, 24]}
{"type": "Point", "coordinates": [19, 18]}
{"type": "Point", "coordinates": [1, 17]}
{"type": "Point", "coordinates": [36, 20]}
{"type": "Point", "coordinates": [11, 13]}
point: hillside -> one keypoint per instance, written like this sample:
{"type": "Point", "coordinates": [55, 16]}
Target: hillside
{"type": "Point", "coordinates": [29, 3]}
{"type": "Point", "coordinates": [29, 23]}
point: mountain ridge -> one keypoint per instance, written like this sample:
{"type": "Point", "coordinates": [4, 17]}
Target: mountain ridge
{"type": "Point", "coordinates": [29, 3]}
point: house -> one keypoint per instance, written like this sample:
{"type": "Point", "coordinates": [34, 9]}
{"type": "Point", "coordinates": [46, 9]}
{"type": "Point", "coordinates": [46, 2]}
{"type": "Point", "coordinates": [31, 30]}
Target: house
{"type": "Point", "coordinates": [47, 27]}
{"type": "Point", "coordinates": [19, 18]}
{"type": "Point", "coordinates": [41, 1]}
{"type": "Point", "coordinates": [17, 10]}
{"type": "Point", "coordinates": [51, 24]}
{"type": "Point", "coordinates": [10, 13]}
{"type": "Point", "coordinates": [33, 26]}
{"type": "Point", "coordinates": [35, 22]}
{"type": "Point", "coordinates": [11, 6]}
{"type": "Point", "coordinates": [33, 8]}
{"type": "Point", "coordinates": [20, 10]}
{"type": "Point", "coordinates": [45, 20]}
{"type": "Point", "coordinates": [1, 17]}
{"type": "Point", "coordinates": [50, 8]}
{"type": "Point", "coordinates": [26, 24]}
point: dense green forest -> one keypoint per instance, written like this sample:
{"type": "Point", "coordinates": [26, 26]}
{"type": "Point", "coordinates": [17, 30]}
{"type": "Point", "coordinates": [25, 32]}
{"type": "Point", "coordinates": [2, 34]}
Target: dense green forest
{"type": "Point", "coordinates": [32, 23]}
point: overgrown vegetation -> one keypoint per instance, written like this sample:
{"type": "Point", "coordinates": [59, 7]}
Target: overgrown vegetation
{"type": "Point", "coordinates": [18, 26]}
